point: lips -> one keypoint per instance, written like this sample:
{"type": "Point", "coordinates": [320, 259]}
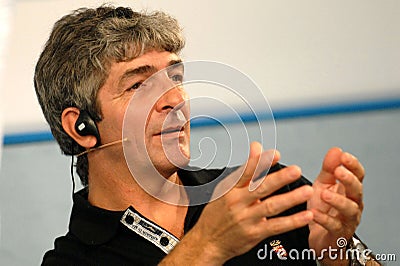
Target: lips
{"type": "Point", "coordinates": [171, 130]}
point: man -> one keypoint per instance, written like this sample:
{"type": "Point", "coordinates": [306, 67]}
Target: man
{"type": "Point", "coordinates": [94, 62]}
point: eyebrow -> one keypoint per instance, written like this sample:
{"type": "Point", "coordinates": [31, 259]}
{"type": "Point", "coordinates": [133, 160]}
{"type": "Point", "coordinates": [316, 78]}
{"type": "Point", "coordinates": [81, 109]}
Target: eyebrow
{"type": "Point", "coordinates": [175, 62]}
{"type": "Point", "coordinates": [144, 70]}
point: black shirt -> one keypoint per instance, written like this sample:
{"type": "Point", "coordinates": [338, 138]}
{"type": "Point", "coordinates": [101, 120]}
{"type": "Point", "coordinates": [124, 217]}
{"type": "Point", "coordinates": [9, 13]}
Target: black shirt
{"type": "Point", "coordinates": [101, 237]}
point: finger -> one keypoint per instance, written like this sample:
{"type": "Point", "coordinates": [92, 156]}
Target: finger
{"type": "Point", "coordinates": [279, 225]}
{"type": "Point", "coordinates": [275, 181]}
{"type": "Point", "coordinates": [331, 224]}
{"type": "Point", "coordinates": [329, 164]}
{"type": "Point", "coordinates": [277, 204]}
{"type": "Point", "coordinates": [267, 160]}
{"type": "Point", "coordinates": [346, 207]}
{"type": "Point", "coordinates": [352, 163]}
{"type": "Point", "coordinates": [251, 164]}
{"type": "Point", "coordinates": [257, 162]}
{"type": "Point", "coordinates": [353, 186]}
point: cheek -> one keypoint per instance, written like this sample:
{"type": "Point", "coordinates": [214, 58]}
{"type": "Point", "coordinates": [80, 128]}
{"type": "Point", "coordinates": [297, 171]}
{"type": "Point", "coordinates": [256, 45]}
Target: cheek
{"type": "Point", "coordinates": [112, 123]}
{"type": "Point", "coordinates": [186, 107]}
{"type": "Point", "coordinates": [147, 125]}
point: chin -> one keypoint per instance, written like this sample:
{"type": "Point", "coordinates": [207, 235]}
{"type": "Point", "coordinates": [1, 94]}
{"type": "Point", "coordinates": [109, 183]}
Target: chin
{"type": "Point", "coordinates": [180, 160]}
{"type": "Point", "coordinates": [169, 161]}
{"type": "Point", "coordinates": [167, 170]}
{"type": "Point", "coordinates": [169, 155]}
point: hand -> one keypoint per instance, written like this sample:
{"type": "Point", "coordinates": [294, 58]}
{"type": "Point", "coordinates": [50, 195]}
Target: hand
{"type": "Point", "coordinates": [236, 222]}
{"type": "Point", "coordinates": [337, 201]}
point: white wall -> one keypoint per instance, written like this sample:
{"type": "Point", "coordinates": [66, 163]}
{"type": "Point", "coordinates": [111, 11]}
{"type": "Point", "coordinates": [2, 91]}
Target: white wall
{"type": "Point", "coordinates": [299, 52]}
{"type": "Point", "coordinates": [5, 11]}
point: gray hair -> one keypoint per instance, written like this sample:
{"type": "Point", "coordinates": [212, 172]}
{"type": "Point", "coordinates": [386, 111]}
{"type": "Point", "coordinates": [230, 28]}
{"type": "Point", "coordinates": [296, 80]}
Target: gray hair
{"type": "Point", "coordinates": [77, 57]}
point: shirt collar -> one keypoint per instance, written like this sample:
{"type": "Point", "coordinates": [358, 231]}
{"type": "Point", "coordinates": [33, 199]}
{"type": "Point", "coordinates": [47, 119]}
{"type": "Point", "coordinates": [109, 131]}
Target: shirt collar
{"type": "Point", "coordinates": [95, 226]}
{"type": "Point", "coordinates": [92, 225]}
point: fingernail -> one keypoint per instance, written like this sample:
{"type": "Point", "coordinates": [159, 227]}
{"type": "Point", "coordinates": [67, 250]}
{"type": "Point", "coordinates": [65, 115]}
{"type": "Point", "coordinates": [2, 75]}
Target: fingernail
{"type": "Point", "coordinates": [348, 157]}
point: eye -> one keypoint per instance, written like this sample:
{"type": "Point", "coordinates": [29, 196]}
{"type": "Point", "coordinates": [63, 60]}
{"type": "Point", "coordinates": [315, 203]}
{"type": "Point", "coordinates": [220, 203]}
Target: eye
{"type": "Point", "coordinates": [177, 78]}
{"type": "Point", "coordinates": [135, 86]}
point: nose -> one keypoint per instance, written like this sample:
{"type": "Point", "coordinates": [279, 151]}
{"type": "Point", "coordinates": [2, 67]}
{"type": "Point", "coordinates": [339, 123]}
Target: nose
{"type": "Point", "coordinates": [173, 98]}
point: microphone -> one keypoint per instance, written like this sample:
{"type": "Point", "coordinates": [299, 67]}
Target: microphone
{"type": "Point", "coordinates": [102, 146]}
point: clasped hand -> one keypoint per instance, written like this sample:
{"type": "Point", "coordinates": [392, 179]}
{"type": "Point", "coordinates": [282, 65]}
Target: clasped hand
{"type": "Point", "coordinates": [236, 222]}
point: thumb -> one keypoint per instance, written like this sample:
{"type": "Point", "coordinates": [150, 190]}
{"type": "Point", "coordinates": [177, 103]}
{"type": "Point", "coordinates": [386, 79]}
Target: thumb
{"type": "Point", "coordinates": [330, 163]}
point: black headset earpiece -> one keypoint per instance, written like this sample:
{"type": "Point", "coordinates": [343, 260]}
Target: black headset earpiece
{"type": "Point", "coordinates": [85, 126]}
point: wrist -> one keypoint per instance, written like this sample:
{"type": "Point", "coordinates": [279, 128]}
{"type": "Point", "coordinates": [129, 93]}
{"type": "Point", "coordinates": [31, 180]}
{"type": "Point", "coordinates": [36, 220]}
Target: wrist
{"type": "Point", "coordinates": [207, 251]}
{"type": "Point", "coordinates": [356, 254]}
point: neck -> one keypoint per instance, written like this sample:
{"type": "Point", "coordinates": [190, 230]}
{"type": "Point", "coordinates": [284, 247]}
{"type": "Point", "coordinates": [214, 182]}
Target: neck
{"type": "Point", "coordinates": [117, 190]}
{"type": "Point", "coordinates": [113, 188]}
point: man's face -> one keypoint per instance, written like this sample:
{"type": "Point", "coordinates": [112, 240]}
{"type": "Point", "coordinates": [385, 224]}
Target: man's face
{"type": "Point", "coordinates": [162, 137]}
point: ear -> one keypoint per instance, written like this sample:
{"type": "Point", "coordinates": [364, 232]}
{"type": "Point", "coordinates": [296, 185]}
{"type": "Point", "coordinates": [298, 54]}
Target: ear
{"type": "Point", "coordinates": [68, 120]}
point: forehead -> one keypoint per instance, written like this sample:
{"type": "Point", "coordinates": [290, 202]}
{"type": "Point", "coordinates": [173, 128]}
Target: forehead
{"type": "Point", "coordinates": [150, 61]}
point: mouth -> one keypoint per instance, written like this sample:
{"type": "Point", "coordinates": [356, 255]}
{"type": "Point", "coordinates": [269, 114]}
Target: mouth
{"type": "Point", "coordinates": [172, 131]}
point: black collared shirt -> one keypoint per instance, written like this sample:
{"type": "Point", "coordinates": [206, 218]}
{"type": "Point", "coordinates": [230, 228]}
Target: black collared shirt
{"type": "Point", "coordinates": [101, 237]}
